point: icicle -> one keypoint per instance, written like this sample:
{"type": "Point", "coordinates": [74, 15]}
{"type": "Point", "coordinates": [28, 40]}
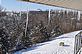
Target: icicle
{"type": "Point", "coordinates": [63, 12]}
{"type": "Point", "coordinates": [70, 10]}
{"type": "Point", "coordinates": [49, 17]}
{"type": "Point", "coordinates": [73, 12]}
{"type": "Point", "coordinates": [27, 20]}
{"type": "Point", "coordinates": [67, 12]}
{"type": "Point", "coordinates": [59, 10]}
{"type": "Point", "coordinates": [20, 13]}
{"type": "Point", "coordinates": [78, 15]}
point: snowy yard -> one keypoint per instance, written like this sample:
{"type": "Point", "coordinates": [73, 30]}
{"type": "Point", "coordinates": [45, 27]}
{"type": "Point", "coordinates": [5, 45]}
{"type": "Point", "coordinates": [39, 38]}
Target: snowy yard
{"type": "Point", "coordinates": [53, 47]}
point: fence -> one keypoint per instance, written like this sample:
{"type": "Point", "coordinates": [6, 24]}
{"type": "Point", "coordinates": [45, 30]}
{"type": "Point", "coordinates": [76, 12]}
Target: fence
{"type": "Point", "coordinates": [77, 45]}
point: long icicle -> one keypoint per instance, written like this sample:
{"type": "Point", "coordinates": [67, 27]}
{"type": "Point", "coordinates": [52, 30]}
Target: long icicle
{"type": "Point", "coordinates": [49, 17]}
{"type": "Point", "coordinates": [78, 15]}
{"type": "Point", "coordinates": [26, 22]}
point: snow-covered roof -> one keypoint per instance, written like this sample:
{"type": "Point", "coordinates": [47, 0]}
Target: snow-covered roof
{"type": "Point", "coordinates": [53, 47]}
{"type": "Point", "coordinates": [71, 4]}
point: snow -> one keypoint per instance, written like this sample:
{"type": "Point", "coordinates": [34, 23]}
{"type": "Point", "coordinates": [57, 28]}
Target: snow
{"type": "Point", "coordinates": [81, 50]}
{"type": "Point", "coordinates": [52, 47]}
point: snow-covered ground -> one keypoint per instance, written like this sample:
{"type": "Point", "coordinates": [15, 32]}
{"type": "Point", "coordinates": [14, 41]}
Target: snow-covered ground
{"type": "Point", "coordinates": [52, 47]}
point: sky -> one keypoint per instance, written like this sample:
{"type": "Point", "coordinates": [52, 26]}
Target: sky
{"type": "Point", "coordinates": [0, 1]}
{"type": "Point", "coordinates": [20, 5]}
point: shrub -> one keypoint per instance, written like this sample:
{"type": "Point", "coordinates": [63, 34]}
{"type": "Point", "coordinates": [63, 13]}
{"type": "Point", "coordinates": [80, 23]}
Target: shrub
{"type": "Point", "coordinates": [61, 43]}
